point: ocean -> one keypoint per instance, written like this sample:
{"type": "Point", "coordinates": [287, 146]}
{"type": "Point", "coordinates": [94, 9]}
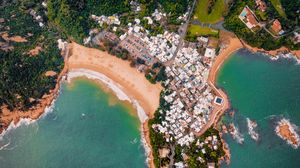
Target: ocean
{"type": "Point", "coordinates": [87, 128]}
{"type": "Point", "coordinates": [265, 91]}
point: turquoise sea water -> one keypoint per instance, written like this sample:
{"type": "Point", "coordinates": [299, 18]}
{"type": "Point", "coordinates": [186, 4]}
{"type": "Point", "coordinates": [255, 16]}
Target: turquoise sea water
{"type": "Point", "coordinates": [83, 131]}
{"type": "Point", "coordinates": [265, 91]}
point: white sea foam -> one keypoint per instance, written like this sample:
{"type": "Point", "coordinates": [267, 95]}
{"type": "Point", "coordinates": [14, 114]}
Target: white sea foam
{"type": "Point", "coordinates": [27, 121]}
{"type": "Point", "coordinates": [251, 126]}
{"type": "Point", "coordinates": [146, 145]}
{"type": "Point", "coordinates": [12, 125]}
{"type": "Point", "coordinates": [4, 146]}
{"type": "Point", "coordinates": [286, 56]}
{"type": "Point", "coordinates": [237, 135]}
{"type": "Point", "coordinates": [292, 128]}
{"type": "Point", "coordinates": [115, 87]}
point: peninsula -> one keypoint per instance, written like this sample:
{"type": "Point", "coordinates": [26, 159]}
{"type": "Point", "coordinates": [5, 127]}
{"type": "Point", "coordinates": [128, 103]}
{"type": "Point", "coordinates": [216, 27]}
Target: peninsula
{"type": "Point", "coordinates": [164, 55]}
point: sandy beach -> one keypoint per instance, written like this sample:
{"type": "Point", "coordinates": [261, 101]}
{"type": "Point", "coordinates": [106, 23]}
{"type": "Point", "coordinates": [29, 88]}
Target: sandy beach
{"type": "Point", "coordinates": [230, 45]}
{"type": "Point", "coordinates": [133, 83]}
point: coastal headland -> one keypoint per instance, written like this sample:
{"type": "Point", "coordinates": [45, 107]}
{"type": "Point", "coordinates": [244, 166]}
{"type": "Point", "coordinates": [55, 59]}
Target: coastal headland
{"type": "Point", "coordinates": [231, 44]}
{"type": "Point", "coordinates": [11, 118]}
{"type": "Point", "coordinates": [132, 82]}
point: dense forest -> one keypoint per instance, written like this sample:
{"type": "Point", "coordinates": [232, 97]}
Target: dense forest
{"type": "Point", "coordinates": [260, 38]}
{"type": "Point", "coordinates": [73, 16]}
{"type": "Point", "coordinates": [22, 78]}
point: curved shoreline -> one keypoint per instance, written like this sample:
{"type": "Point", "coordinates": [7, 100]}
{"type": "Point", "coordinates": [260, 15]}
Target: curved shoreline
{"type": "Point", "coordinates": [117, 90]}
{"type": "Point", "coordinates": [133, 83]}
{"type": "Point", "coordinates": [91, 59]}
{"type": "Point", "coordinates": [12, 119]}
{"type": "Point", "coordinates": [115, 87]}
{"type": "Point", "coordinates": [234, 45]}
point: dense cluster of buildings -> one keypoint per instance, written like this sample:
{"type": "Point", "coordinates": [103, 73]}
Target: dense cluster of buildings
{"type": "Point", "coordinates": [149, 48]}
{"type": "Point", "coordinates": [190, 97]}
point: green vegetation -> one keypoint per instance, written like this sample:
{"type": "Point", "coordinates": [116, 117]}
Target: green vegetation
{"type": "Point", "coordinates": [261, 15]}
{"type": "Point", "coordinates": [174, 8]}
{"type": "Point", "coordinates": [72, 16]}
{"type": "Point", "coordinates": [156, 74]}
{"type": "Point", "coordinates": [210, 11]}
{"type": "Point", "coordinates": [278, 7]}
{"type": "Point", "coordinates": [194, 31]}
{"type": "Point", "coordinates": [156, 139]}
{"type": "Point", "coordinates": [22, 78]}
{"type": "Point", "coordinates": [210, 156]}
{"type": "Point", "coordinates": [291, 8]}
{"type": "Point", "coordinates": [192, 152]}
{"type": "Point", "coordinates": [260, 38]}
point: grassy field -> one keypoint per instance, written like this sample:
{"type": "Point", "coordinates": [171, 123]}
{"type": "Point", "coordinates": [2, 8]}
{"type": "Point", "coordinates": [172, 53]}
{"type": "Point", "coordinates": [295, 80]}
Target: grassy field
{"type": "Point", "coordinates": [263, 15]}
{"type": "Point", "coordinates": [278, 7]}
{"type": "Point", "coordinates": [201, 31]}
{"type": "Point", "coordinates": [202, 15]}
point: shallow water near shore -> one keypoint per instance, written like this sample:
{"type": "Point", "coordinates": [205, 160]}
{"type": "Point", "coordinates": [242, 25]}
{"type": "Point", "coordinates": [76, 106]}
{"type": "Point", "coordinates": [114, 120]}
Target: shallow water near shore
{"type": "Point", "coordinates": [265, 91]}
{"type": "Point", "coordinates": [84, 130]}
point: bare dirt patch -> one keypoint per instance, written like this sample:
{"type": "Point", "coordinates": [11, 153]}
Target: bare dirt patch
{"type": "Point", "coordinates": [35, 51]}
{"type": "Point", "coordinates": [50, 73]}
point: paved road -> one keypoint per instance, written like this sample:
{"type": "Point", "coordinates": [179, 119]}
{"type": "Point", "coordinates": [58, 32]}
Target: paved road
{"type": "Point", "coordinates": [172, 147]}
{"type": "Point", "coordinates": [182, 33]}
{"type": "Point", "coordinates": [218, 25]}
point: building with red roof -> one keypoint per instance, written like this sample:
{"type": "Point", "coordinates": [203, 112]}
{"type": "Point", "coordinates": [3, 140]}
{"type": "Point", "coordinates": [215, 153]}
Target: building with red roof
{"type": "Point", "coordinates": [276, 27]}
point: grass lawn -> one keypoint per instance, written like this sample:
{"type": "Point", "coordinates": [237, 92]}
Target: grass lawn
{"type": "Point", "coordinates": [278, 7]}
{"type": "Point", "coordinates": [216, 15]}
{"type": "Point", "coordinates": [201, 31]}
{"type": "Point", "coordinates": [263, 15]}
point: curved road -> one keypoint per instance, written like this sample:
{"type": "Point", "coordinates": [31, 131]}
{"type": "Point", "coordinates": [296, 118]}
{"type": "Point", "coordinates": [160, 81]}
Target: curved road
{"type": "Point", "coordinates": [183, 29]}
